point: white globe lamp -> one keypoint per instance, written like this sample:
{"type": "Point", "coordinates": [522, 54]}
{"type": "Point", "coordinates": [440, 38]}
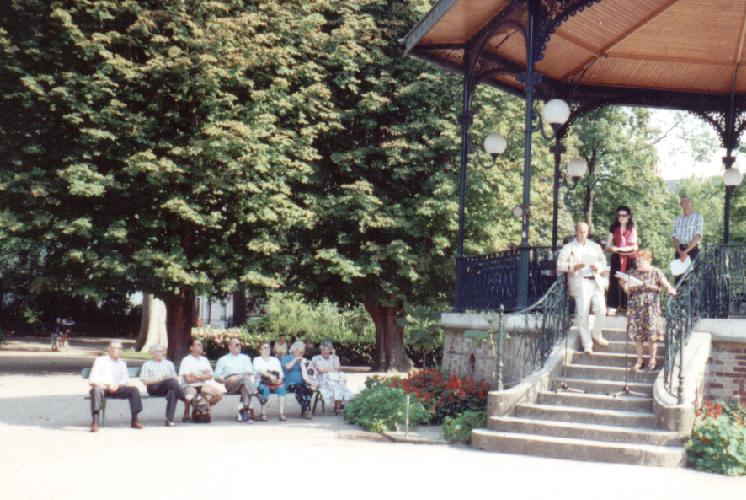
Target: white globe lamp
{"type": "Point", "coordinates": [577, 168]}
{"type": "Point", "coordinates": [732, 177]}
{"type": "Point", "coordinates": [556, 112]}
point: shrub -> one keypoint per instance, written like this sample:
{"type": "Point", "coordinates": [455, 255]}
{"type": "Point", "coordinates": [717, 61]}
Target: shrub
{"type": "Point", "coordinates": [459, 428]}
{"type": "Point", "coordinates": [718, 442]}
{"type": "Point", "coordinates": [444, 396]}
{"type": "Point", "coordinates": [380, 408]}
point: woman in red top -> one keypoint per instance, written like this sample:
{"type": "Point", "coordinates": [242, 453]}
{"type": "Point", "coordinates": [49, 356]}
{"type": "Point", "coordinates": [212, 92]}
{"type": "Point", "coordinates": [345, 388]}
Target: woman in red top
{"type": "Point", "coordinates": [622, 243]}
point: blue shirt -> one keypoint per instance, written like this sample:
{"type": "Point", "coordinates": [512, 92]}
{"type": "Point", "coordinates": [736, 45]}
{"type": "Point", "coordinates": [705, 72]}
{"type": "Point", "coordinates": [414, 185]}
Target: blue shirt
{"type": "Point", "coordinates": [293, 375]}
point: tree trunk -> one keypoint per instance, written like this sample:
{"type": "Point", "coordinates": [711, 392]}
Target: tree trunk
{"type": "Point", "coordinates": [390, 352]}
{"type": "Point", "coordinates": [179, 321]}
{"type": "Point", "coordinates": [590, 193]}
{"type": "Point", "coordinates": [239, 307]}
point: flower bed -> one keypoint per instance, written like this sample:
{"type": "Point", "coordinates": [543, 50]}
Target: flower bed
{"type": "Point", "coordinates": [718, 442]}
{"type": "Point", "coordinates": [442, 395]}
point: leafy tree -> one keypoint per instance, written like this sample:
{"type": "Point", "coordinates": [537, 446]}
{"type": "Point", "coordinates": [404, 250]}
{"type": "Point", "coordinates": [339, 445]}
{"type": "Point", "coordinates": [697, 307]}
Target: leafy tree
{"type": "Point", "coordinates": [617, 144]}
{"type": "Point", "coordinates": [159, 144]}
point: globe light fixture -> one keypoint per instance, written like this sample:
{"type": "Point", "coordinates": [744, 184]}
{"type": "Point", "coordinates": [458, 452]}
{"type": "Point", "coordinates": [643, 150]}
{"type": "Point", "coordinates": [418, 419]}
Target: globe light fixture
{"type": "Point", "coordinates": [732, 177]}
{"type": "Point", "coordinates": [577, 169]}
{"type": "Point", "coordinates": [556, 112]}
{"type": "Point", "coordinates": [518, 211]}
{"type": "Point", "coordinates": [495, 145]}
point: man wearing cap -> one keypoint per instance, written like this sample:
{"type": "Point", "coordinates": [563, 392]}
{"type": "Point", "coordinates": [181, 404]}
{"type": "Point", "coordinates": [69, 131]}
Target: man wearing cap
{"type": "Point", "coordinates": [585, 265]}
{"type": "Point", "coordinates": [237, 373]}
{"type": "Point", "coordinates": [108, 379]}
{"type": "Point", "coordinates": [160, 379]}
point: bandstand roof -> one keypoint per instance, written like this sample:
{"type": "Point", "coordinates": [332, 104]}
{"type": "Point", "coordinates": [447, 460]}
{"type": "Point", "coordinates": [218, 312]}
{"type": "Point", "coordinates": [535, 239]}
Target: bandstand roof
{"type": "Point", "coordinates": [684, 54]}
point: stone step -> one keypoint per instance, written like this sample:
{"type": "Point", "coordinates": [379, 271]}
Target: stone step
{"type": "Point", "coordinates": [587, 415]}
{"type": "Point", "coordinates": [577, 449]}
{"type": "Point", "coordinates": [620, 346]}
{"type": "Point", "coordinates": [616, 334]}
{"type": "Point", "coordinates": [600, 386]}
{"type": "Point", "coordinates": [574, 370]}
{"type": "Point", "coordinates": [609, 359]}
{"type": "Point", "coordinates": [615, 322]}
{"type": "Point", "coordinates": [606, 433]}
{"type": "Point", "coordinates": [598, 401]}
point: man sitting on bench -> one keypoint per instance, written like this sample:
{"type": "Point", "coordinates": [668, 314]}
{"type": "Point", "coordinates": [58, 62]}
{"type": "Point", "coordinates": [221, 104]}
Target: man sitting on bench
{"type": "Point", "coordinates": [159, 377]}
{"type": "Point", "coordinates": [196, 372]}
{"type": "Point", "coordinates": [237, 373]}
{"type": "Point", "coordinates": [108, 379]}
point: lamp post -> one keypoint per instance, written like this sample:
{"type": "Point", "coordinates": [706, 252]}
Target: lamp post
{"type": "Point", "coordinates": [556, 112]}
{"type": "Point", "coordinates": [731, 178]}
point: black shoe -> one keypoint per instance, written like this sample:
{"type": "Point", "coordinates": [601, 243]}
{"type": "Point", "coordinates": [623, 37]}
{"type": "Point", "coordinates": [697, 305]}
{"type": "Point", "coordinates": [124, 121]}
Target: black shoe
{"type": "Point", "coordinates": [170, 423]}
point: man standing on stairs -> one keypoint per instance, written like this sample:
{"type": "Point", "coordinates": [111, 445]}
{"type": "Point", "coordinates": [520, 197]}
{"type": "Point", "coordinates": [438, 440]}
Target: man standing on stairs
{"type": "Point", "coordinates": [585, 265]}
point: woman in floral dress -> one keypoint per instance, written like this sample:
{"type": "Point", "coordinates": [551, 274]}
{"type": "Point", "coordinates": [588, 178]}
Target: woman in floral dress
{"type": "Point", "coordinates": [644, 308]}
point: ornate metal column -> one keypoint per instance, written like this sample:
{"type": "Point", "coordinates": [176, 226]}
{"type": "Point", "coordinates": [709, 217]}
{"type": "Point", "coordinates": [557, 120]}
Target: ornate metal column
{"type": "Point", "coordinates": [530, 80]}
{"type": "Point", "coordinates": [465, 122]}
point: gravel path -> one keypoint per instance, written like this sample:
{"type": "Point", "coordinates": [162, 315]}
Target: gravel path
{"type": "Point", "coordinates": [48, 453]}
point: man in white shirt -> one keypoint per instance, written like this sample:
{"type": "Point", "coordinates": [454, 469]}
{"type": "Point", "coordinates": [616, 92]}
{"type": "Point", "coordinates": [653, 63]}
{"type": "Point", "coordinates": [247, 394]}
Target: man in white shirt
{"type": "Point", "coordinates": [160, 379]}
{"type": "Point", "coordinates": [236, 372]}
{"type": "Point", "coordinates": [687, 231]}
{"type": "Point", "coordinates": [196, 373]}
{"type": "Point", "coordinates": [108, 379]}
{"type": "Point", "coordinates": [584, 262]}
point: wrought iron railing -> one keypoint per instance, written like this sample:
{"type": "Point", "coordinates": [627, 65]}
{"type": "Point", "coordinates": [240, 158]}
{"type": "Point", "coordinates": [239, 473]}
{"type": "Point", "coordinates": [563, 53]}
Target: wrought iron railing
{"type": "Point", "coordinates": [486, 282]}
{"type": "Point", "coordinates": [533, 333]}
{"type": "Point", "coordinates": [715, 287]}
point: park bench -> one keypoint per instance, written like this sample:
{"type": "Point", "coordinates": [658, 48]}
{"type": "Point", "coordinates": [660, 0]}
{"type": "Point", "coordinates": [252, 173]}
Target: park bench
{"type": "Point", "coordinates": [134, 372]}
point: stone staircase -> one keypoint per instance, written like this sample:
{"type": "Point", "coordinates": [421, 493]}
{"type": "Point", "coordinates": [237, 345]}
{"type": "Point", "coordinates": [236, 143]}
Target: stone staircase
{"type": "Point", "coordinates": [591, 420]}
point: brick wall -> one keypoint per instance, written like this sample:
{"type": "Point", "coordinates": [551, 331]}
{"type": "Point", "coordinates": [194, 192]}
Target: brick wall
{"type": "Point", "coordinates": [726, 373]}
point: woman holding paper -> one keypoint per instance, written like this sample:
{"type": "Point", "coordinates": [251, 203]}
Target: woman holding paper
{"type": "Point", "coordinates": [622, 243]}
{"type": "Point", "coordinates": [643, 285]}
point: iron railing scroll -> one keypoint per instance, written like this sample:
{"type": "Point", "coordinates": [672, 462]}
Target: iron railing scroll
{"type": "Point", "coordinates": [715, 287]}
{"type": "Point", "coordinates": [487, 282]}
{"type": "Point", "coordinates": [533, 332]}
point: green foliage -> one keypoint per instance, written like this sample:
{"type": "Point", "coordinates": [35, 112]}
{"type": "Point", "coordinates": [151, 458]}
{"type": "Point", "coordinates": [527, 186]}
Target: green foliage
{"type": "Point", "coordinates": [380, 408]}
{"type": "Point", "coordinates": [422, 328]}
{"type": "Point", "coordinates": [459, 428]}
{"type": "Point", "coordinates": [718, 442]}
{"type": "Point", "coordinates": [288, 314]}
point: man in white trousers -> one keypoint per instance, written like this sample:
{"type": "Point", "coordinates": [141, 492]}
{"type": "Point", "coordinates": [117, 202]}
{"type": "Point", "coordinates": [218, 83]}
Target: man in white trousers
{"type": "Point", "coordinates": [585, 263]}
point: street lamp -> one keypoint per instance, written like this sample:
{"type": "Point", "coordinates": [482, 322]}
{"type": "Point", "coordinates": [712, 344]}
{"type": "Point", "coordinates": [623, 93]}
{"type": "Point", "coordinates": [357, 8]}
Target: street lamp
{"type": "Point", "coordinates": [732, 177]}
{"type": "Point", "coordinates": [577, 169]}
{"type": "Point", "coordinates": [556, 113]}
{"type": "Point", "coordinates": [495, 145]}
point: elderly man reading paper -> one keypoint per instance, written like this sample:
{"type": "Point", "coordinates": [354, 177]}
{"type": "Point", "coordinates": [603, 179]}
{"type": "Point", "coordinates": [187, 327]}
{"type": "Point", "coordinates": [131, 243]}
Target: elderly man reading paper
{"type": "Point", "coordinates": [585, 265]}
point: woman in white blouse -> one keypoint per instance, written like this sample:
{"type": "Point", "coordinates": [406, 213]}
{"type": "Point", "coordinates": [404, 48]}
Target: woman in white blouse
{"type": "Point", "coordinates": [270, 371]}
{"type": "Point", "coordinates": [332, 382]}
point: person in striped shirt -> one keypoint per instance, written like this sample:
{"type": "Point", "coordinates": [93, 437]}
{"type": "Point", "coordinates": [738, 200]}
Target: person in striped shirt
{"type": "Point", "coordinates": [687, 231]}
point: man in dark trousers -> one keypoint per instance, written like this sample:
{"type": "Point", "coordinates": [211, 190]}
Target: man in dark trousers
{"type": "Point", "coordinates": [160, 379]}
{"type": "Point", "coordinates": [108, 379]}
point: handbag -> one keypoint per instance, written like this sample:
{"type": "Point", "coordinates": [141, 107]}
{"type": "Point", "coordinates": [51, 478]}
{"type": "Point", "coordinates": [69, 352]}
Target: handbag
{"type": "Point", "coordinates": [266, 380]}
{"type": "Point", "coordinates": [201, 411]}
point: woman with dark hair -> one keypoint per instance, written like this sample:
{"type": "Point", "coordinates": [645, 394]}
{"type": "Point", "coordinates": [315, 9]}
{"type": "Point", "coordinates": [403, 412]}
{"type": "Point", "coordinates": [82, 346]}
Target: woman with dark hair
{"type": "Point", "coordinates": [622, 243]}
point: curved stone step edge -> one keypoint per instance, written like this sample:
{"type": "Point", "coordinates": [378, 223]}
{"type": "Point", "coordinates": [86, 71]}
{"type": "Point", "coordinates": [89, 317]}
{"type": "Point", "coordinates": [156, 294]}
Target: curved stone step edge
{"type": "Point", "coordinates": [600, 401]}
{"type": "Point", "coordinates": [578, 449]}
{"type": "Point", "coordinates": [583, 430]}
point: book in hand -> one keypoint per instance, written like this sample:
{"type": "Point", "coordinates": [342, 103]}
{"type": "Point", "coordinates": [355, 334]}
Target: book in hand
{"type": "Point", "coordinates": [632, 282]}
